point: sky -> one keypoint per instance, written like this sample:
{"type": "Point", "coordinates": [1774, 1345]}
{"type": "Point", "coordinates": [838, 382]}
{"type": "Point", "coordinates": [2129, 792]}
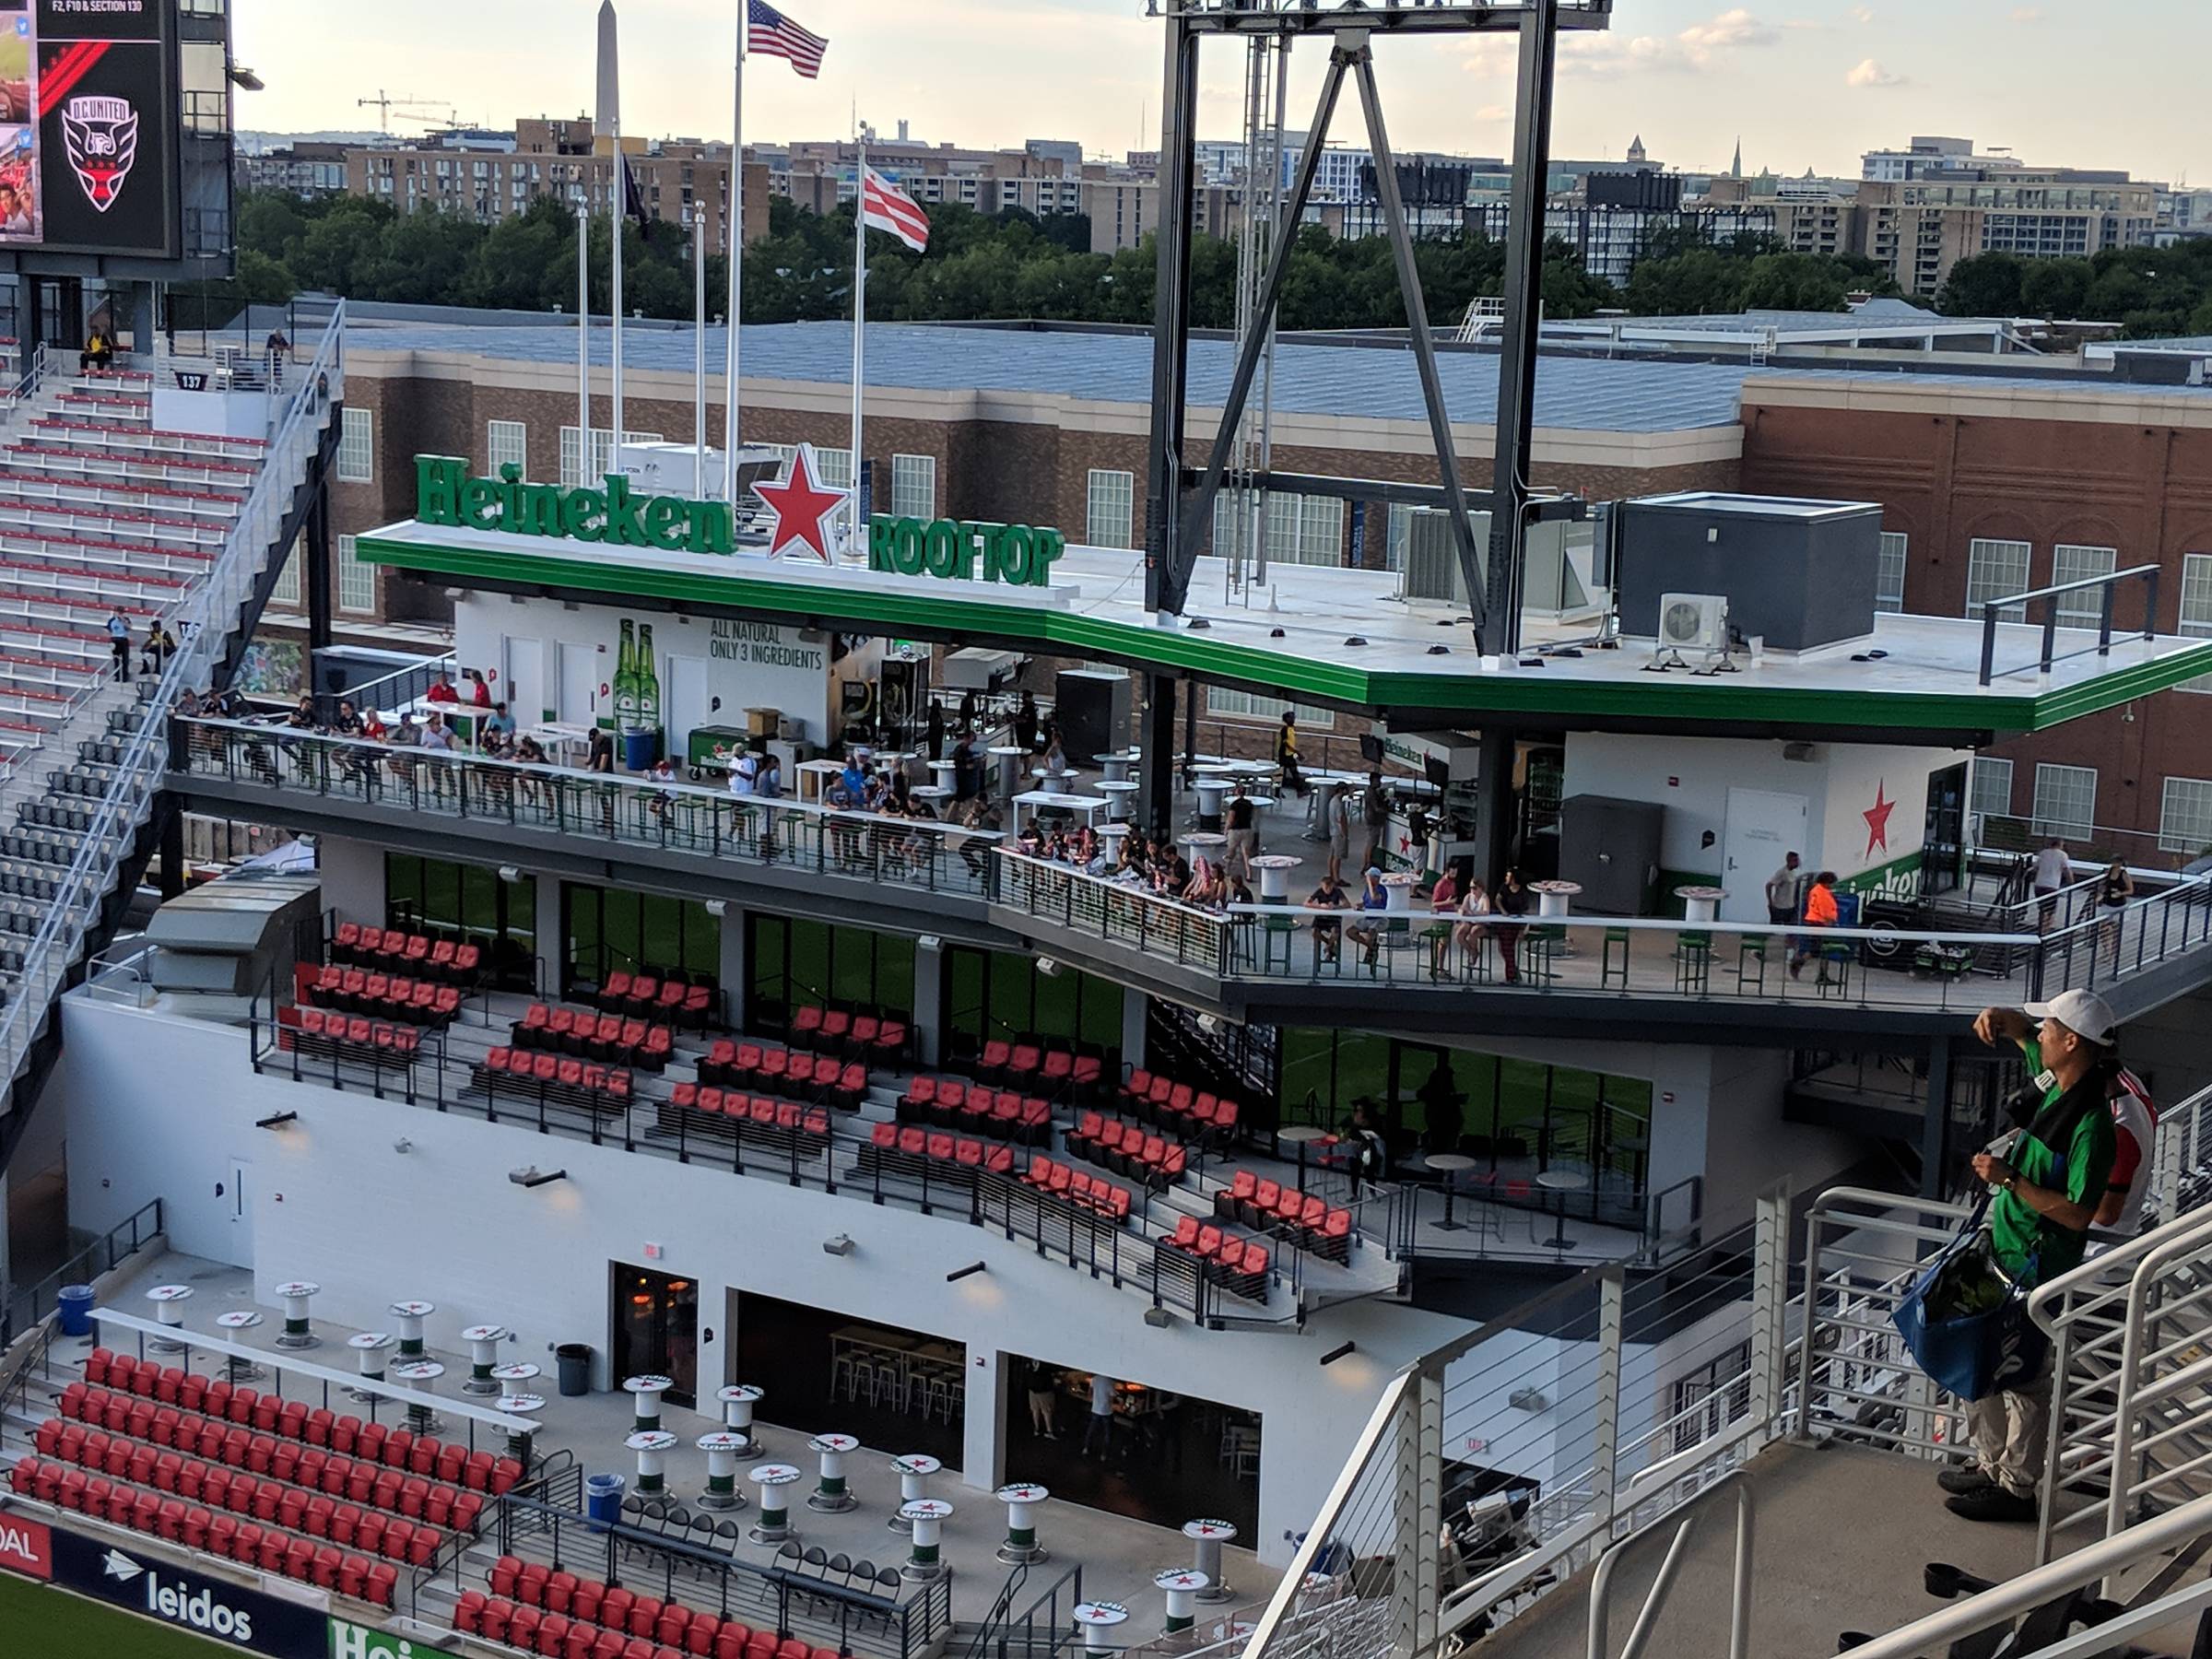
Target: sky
{"type": "Point", "coordinates": [1803, 83]}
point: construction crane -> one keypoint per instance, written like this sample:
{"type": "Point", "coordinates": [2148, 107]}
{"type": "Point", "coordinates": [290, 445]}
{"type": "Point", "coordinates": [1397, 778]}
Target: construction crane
{"type": "Point", "coordinates": [410, 108]}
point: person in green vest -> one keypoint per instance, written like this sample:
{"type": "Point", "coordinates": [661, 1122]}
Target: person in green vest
{"type": "Point", "coordinates": [2046, 1185]}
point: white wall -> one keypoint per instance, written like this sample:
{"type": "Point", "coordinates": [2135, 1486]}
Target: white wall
{"type": "Point", "coordinates": [353, 879]}
{"type": "Point", "coordinates": [157, 1102]}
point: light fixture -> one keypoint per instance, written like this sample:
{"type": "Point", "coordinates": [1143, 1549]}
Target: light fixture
{"type": "Point", "coordinates": [718, 908]}
{"type": "Point", "coordinates": [959, 1274]}
{"type": "Point", "coordinates": [244, 80]}
{"type": "Point", "coordinates": [531, 1176]}
{"type": "Point", "coordinates": [839, 1245]}
{"type": "Point", "coordinates": [1527, 1399]}
{"type": "Point", "coordinates": [510, 874]}
{"type": "Point", "coordinates": [1337, 1353]}
{"type": "Point", "coordinates": [929, 942]}
{"type": "Point", "coordinates": [278, 1121]}
{"type": "Point", "coordinates": [1160, 1319]}
{"type": "Point", "coordinates": [1046, 966]}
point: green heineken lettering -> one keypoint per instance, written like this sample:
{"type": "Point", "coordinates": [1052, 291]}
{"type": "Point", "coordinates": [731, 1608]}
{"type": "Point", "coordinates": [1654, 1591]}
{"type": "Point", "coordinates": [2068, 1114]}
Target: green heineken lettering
{"type": "Point", "coordinates": [447, 495]}
{"type": "Point", "coordinates": [964, 550]}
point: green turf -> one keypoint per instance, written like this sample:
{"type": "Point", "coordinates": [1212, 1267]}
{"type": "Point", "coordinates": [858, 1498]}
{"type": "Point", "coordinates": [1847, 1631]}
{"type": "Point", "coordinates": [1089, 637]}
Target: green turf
{"type": "Point", "coordinates": [40, 1622]}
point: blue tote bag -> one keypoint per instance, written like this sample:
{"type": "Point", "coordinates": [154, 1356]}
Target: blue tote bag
{"type": "Point", "coordinates": [1965, 1320]}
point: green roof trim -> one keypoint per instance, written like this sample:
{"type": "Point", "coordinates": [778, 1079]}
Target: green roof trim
{"type": "Point", "coordinates": [970, 612]}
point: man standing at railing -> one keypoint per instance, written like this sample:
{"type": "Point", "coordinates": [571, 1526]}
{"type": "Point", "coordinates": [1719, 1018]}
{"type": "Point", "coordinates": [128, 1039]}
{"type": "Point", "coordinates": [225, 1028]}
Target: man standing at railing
{"type": "Point", "coordinates": [2046, 1189]}
{"type": "Point", "coordinates": [119, 643]}
{"type": "Point", "coordinates": [2053, 870]}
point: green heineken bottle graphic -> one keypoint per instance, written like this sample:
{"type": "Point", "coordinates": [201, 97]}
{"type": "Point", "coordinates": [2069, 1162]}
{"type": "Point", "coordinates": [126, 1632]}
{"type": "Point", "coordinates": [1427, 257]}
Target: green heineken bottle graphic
{"type": "Point", "coordinates": [649, 682]}
{"type": "Point", "coordinates": [626, 680]}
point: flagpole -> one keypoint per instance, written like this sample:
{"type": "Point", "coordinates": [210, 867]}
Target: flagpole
{"type": "Point", "coordinates": [584, 341]}
{"type": "Point", "coordinates": [860, 318]}
{"type": "Point", "coordinates": [698, 347]}
{"type": "Point", "coordinates": [733, 225]}
{"type": "Point", "coordinates": [616, 220]}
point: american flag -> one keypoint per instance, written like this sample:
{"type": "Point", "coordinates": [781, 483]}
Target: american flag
{"type": "Point", "coordinates": [773, 34]}
{"type": "Point", "coordinates": [885, 206]}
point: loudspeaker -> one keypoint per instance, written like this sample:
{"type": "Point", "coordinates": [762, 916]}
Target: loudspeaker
{"type": "Point", "coordinates": [1091, 708]}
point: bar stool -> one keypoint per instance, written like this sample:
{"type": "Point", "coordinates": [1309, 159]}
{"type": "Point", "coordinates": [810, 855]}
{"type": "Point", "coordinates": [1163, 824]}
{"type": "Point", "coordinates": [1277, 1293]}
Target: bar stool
{"type": "Point", "coordinates": [652, 1446]}
{"type": "Point", "coordinates": [927, 1517]}
{"type": "Point", "coordinates": [647, 1392]}
{"type": "Point", "coordinates": [422, 1375]}
{"type": "Point", "coordinates": [775, 1525]}
{"type": "Point", "coordinates": [411, 1315]}
{"type": "Point", "coordinates": [169, 1313]}
{"type": "Point", "coordinates": [913, 1470]}
{"type": "Point", "coordinates": [1181, 1585]}
{"type": "Point", "coordinates": [738, 1402]}
{"type": "Point", "coordinates": [1095, 1619]}
{"type": "Point", "coordinates": [297, 1332]}
{"type": "Point", "coordinates": [483, 1356]}
{"type": "Point", "coordinates": [1021, 1501]}
{"type": "Point", "coordinates": [1206, 1537]}
{"type": "Point", "coordinates": [829, 1496]}
{"type": "Point", "coordinates": [370, 1346]}
{"type": "Point", "coordinates": [722, 1447]}
{"type": "Point", "coordinates": [240, 1368]}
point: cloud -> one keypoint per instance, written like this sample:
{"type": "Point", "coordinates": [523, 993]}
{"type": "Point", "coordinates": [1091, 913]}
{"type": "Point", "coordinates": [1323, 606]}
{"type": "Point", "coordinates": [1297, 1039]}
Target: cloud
{"type": "Point", "coordinates": [2027, 14]}
{"type": "Point", "coordinates": [1495, 112]}
{"type": "Point", "coordinates": [1867, 73]}
{"type": "Point", "coordinates": [1736, 28]}
{"type": "Point", "coordinates": [1865, 14]}
{"type": "Point", "coordinates": [1596, 56]}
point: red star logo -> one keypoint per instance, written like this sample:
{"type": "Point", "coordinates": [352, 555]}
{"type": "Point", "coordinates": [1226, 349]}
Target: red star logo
{"type": "Point", "coordinates": [1877, 820]}
{"type": "Point", "coordinates": [802, 508]}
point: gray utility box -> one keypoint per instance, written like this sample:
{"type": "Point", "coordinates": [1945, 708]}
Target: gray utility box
{"type": "Point", "coordinates": [1801, 573]}
{"type": "Point", "coordinates": [1091, 707]}
{"type": "Point", "coordinates": [1611, 847]}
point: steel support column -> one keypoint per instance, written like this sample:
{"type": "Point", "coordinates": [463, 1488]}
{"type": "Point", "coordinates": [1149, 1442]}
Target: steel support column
{"type": "Point", "coordinates": [1934, 1130]}
{"type": "Point", "coordinates": [317, 585]}
{"type": "Point", "coordinates": [1156, 739]}
{"type": "Point", "coordinates": [1171, 326]}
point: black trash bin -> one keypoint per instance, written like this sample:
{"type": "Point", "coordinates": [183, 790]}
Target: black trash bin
{"type": "Point", "coordinates": [575, 1361]}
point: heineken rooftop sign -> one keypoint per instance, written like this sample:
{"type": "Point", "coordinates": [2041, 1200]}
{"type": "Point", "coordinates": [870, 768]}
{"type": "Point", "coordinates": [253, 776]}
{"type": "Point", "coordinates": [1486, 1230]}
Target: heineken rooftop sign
{"type": "Point", "coordinates": [446, 494]}
{"type": "Point", "coordinates": [959, 550]}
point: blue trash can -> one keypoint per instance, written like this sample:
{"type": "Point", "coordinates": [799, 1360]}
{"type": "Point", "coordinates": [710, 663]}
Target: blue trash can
{"type": "Point", "coordinates": [641, 749]}
{"type": "Point", "coordinates": [76, 1309]}
{"type": "Point", "coordinates": [603, 1500]}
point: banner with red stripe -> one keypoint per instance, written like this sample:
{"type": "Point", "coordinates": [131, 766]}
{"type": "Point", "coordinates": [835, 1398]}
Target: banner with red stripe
{"type": "Point", "coordinates": [885, 206]}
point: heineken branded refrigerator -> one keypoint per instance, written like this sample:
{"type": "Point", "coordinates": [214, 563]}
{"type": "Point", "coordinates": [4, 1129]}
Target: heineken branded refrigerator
{"type": "Point", "coordinates": [636, 689]}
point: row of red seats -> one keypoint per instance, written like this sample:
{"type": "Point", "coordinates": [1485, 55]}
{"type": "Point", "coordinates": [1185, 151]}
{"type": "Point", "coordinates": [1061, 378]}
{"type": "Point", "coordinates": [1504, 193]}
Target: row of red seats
{"type": "Point", "coordinates": [71, 452]}
{"type": "Point", "coordinates": [196, 1527]}
{"type": "Point", "coordinates": [553, 1081]}
{"type": "Point", "coordinates": [1030, 1065]}
{"type": "Point", "coordinates": [137, 487]}
{"type": "Point", "coordinates": [1311, 1223]}
{"type": "Point", "coordinates": [1086, 1192]}
{"type": "Point", "coordinates": [753, 1066]}
{"type": "Point", "coordinates": [355, 1035]}
{"type": "Point", "coordinates": [649, 996]}
{"type": "Point", "coordinates": [1240, 1264]}
{"type": "Point", "coordinates": [730, 1112]}
{"type": "Point", "coordinates": [531, 1588]}
{"type": "Point", "coordinates": [948, 1103]}
{"type": "Point", "coordinates": [248, 1497]}
{"type": "Point", "coordinates": [418, 953]}
{"type": "Point", "coordinates": [1178, 1108]}
{"type": "Point", "coordinates": [590, 1036]}
{"type": "Point", "coordinates": [843, 1033]}
{"type": "Point", "coordinates": [291, 1419]}
{"type": "Point", "coordinates": [379, 995]}
{"type": "Point", "coordinates": [893, 1150]}
{"type": "Point", "coordinates": [1127, 1150]}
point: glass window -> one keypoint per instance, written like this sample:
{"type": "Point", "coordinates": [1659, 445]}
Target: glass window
{"type": "Point", "coordinates": [507, 443]}
{"type": "Point", "coordinates": [2185, 816]}
{"type": "Point", "coordinates": [2065, 801]}
{"type": "Point", "coordinates": [1991, 794]}
{"type": "Point", "coordinates": [611, 932]}
{"type": "Point", "coordinates": [357, 582]}
{"type": "Point", "coordinates": [357, 446]}
{"type": "Point", "coordinates": [1222, 701]}
{"type": "Point", "coordinates": [286, 590]}
{"type": "Point", "coordinates": [2086, 609]}
{"type": "Point", "coordinates": [1111, 518]}
{"type": "Point", "coordinates": [1301, 529]}
{"type": "Point", "coordinates": [2196, 609]}
{"type": "Point", "coordinates": [1995, 568]}
{"type": "Point", "coordinates": [472, 903]}
{"type": "Point", "coordinates": [1890, 573]}
{"type": "Point", "coordinates": [914, 487]}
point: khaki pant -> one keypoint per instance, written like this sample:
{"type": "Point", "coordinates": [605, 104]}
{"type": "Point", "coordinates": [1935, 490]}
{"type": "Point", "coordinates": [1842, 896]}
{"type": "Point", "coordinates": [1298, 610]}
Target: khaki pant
{"type": "Point", "coordinates": [2010, 1430]}
{"type": "Point", "coordinates": [1242, 844]}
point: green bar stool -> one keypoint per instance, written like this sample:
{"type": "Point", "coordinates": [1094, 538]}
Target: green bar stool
{"type": "Point", "coordinates": [1610, 971]}
{"type": "Point", "coordinates": [1693, 963]}
{"type": "Point", "coordinates": [1751, 963]}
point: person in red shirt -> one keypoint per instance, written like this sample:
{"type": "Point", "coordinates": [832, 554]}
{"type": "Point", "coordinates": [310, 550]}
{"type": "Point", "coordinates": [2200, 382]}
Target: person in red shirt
{"type": "Point", "coordinates": [479, 689]}
{"type": "Point", "coordinates": [443, 691]}
{"type": "Point", "coordinates": [1820, 912]}
{"type": "Point", "coordinates": [2135, 1130]}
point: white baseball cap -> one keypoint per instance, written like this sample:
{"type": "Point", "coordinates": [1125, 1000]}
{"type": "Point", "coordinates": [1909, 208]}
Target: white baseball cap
{"type": "Point", "coordinates": [2082, 1012]}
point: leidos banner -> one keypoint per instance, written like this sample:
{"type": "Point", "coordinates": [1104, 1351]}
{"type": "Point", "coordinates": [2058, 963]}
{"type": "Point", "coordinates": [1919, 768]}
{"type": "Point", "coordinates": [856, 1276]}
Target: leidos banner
{"type": "Point", "coordinates": [187, 1601]}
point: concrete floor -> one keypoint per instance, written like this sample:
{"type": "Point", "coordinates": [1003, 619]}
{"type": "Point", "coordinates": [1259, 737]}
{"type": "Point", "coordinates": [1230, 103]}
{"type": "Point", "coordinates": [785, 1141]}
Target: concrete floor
{"type": "Point", "coordinates": [1118, 1556]}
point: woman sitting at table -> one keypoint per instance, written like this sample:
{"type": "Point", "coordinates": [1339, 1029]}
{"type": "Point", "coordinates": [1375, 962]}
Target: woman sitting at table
{"type": "Point", "coordinates": [1129, 868]}
{"type": "Point", "coordinates": [1443, 901]}
{"type": "Point", "coordinates": [1203, 889]}
{"type": "Point", "coordinates": [1467, 934]}
{"type": "Point", "coordinates": [1083, 851]}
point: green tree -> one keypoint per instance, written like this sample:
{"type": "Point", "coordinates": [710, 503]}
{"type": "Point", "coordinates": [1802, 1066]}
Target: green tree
{"type": "Point", "coordinates": [1984, 285]}
{"type": "Point", "coordinates": [2054, 288]}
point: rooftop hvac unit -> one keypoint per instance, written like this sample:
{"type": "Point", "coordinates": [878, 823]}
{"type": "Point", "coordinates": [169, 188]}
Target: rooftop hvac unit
{"type": "Point", "coordinates": [1693, 632]}
{"type": "Point", "coordinates": [1431, 558]}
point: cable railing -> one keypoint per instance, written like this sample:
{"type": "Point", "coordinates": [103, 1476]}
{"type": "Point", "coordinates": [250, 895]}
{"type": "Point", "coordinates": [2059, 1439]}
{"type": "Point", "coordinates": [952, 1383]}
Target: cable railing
{"type": "Point", "coordinates": [25, 1308]}
{"type": "Point", "coordinates": [205, 622]}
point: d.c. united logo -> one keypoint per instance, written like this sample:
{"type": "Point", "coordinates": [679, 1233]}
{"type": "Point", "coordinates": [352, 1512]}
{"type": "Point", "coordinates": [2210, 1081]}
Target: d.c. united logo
{"type": "Point", "coordinates": [102, 139]}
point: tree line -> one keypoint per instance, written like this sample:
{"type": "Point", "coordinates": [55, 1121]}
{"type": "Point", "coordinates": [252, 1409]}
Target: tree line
{"type": "Point", "coordinates": [2150, 293]}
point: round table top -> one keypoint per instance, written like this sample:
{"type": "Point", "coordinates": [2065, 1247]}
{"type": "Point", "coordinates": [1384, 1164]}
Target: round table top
{"type": "Point", "coordinates": [1400, 878]}
{"type": "Point", "coordinates": [1223, 1530]}
{"type": "Point", "coordinates": [1275, 861]}
{"type": "Point", "coordinates": [418, 1371]}
{"type": "Point", "coordinates": [1116, 786]}
{"type": "Point", "coordinates": [371, 1339]}
{"type": "Point", "coordinates": [834, 1442]}
{"type": "Point", "coordinates": [1006, 748]}
{"type": "Point", "coordinates": [1021, 1492]}
{"type": "Point", "coordinates": [651, 1440]}
{"type": "Point", "coordinates": [1261, 800]}
{"type": "Point", "coordinates": [1122, 754]}
{"type": "Point", "coordinates": [1562, 1181]}
{"type": "Point", "coordinates": [1303, 1132]}
{"type": "Point", "coordinates": [916, 1463]}
{"type": "Point", "coordinates": [721, 1440]}
{"type": "Point", "coordinates": [520, 1371]}
{"type": "Point", "coordinates": [774, 1474]}
{"type": "Point", "coordinates": [1566, 888]}
{"type": "Point", "coordinates": [745, 1393]}
{"type": "Point", "coordinates": [930, 791]}
{"type": "Point", "coordinates": [925, 1509]}
{"type": "Point", "coordinates": [485, 1333]}
{"type": "Point", "coordinates": [1205, 838]}
{"type": "Point", "coordinates": [1180, 1578]}
{"type": "Point", "coordinates": [1099, 1613]}
{"type": "Point", "coordinates": [414, 1310]}
{"type": "Point", "coordinates": [240, 1319]}
{"type": "Point", "coordinates": [298, 1288]}
{"type": "Point", "coordinates": [519, 1404]}
{"type": "Point", "coordinates": [169, 1293]}
{"type": "Point", "coordinates": [1714, 893]}
{"type": "Point", "coordinates": [1451, 1161]}
{"type": "Point", "coordinates": [647, 1386]}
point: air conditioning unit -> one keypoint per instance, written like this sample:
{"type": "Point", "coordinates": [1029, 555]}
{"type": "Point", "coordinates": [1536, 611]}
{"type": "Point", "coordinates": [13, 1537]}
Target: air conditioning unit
{"type": "Point", "coordinates": [1693, 623]}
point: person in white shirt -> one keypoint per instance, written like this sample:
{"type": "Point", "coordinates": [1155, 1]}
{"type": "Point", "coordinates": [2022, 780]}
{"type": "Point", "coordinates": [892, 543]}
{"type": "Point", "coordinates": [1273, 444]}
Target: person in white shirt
{"type": "Point", "coordinates": [2053, 870]}
{"type": "Point", "coordinates": [1781, 892]}
{"type": "Point", "coordinates": [2135, 1133]}
{"type": "Point", "coordinates": [1098, 1430]}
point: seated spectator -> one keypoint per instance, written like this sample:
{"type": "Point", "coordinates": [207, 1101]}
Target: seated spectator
{"type": "Point", "coordinates": [529, 752]}
{"type": "Point", "coordinates": [443, 690]}
{"type": "Point", "coordinates": [348, 721]}
{"type": "Point", "coordinates": [373, 727]}
{"type": "Point", "coordinates": [302, 717]}
{"type": "Point", "coordinates": [498, 721]}
{"type": "Point", "coordinates": [769, 783]}
{"type": "Point", "coordinates": [1374, 898]}
{"type": "Point", "coordinates": [1329, 896]}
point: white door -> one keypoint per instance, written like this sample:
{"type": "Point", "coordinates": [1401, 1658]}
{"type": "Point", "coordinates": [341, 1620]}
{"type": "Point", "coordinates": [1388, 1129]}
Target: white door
{"type": "Point", "coordinates": [525, 691]}
{"type": "Point", "coordinates": [578, 685]}
{"type": "Point", "coordinates": [1762, 827]}
{"type": "Point", "coordinates": [686, 702]}
{"type": "Point", "coordinates": [238, 1195]}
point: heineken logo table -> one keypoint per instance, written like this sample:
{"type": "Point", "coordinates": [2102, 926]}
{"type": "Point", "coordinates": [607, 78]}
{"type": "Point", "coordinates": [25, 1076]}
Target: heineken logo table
{"type": "Point", "coordinates": [912, 1469]}
{"type": "Point", "coordinates": [1021, 1501]}
{"type": "Point", "coordinates": [1206, 1537]}
{"type": "Point", "coordinates": [1095, 1619]}
{"type": "Point", "coordinates": [240, 1368]}
{"type": "Point", "coordinates": [411, 1314]}
{"type": "Point", "coordinates": [297, 1294]}
{"type": "Point", "coordinates": [829, 1496]}
{"type": "Point", "coordinates": [775, 1525]}
{"type": "Point", "coordinates": [511, 1377]}
{"type": "Point", "coordinates": [738, 1402]}
{"type": "Point", "coordinates": [483, 1355]}
{"type": "Point", "coordinates": [647, 1392]}
{"type": "Point", "coordinates": [1181, 1585]}
{"type": "Point", "coordinates": [722, 1447]}
{"type": "Point", "coordinates": [422, 1375]}
{"type": "Point", "coordinates": [169, 1310]}
{"type": "Point", "coordinates": [652, 1446]}
{"type": "Point", "coordinates": [926, 1518]}
{"type": "Point", "coordinates": [370, 1347]}
{"type": "Point", "coordinates": [519, 1405]}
